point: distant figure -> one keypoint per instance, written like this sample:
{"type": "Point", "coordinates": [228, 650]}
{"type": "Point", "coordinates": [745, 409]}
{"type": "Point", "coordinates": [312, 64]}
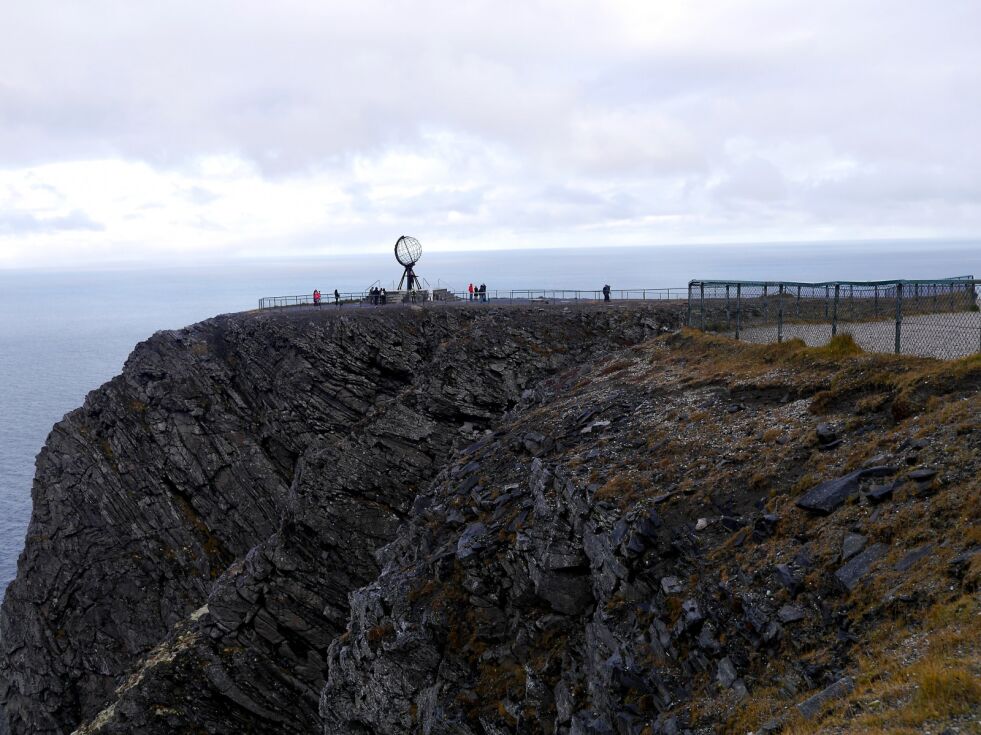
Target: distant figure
{"type": "Point", "coordinates": [316, 296]}
{"type": "Point", "coordinates": [373, 295]}
{"type": "Point", "coordinates": [337, 297]}
{"type": "Point", "coordinates": [470, 289]}
{"type": "Point", "coordinates": [383, 295]}
{"type": "Point", "coordinates": [606, 292]}
{"type": "Point", "coordinates": [483, 293]}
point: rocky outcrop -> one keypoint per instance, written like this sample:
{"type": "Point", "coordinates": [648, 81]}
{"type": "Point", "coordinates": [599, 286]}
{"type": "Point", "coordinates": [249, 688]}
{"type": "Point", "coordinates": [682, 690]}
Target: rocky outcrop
{"type": "Point", "coordinates": [627, 554]}
{"type": "Point", "coordinates": [200, 522]}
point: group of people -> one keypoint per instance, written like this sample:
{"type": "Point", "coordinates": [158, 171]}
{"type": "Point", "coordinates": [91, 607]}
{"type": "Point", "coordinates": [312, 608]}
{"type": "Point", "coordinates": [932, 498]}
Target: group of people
{"type": "Point", "coordinates": [317, 297]}
{"type": "Point", "coordinates": [377, 296]}
{"type": "Point", "coordinates": [478, 293]}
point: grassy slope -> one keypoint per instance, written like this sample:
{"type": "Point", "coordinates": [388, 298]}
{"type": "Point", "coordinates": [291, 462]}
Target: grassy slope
{"type": "Point", "coordinates": [917, 663]}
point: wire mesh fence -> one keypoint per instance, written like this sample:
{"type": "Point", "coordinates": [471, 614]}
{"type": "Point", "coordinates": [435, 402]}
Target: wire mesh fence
{"type": "Point", "coordinates": [935, 318]}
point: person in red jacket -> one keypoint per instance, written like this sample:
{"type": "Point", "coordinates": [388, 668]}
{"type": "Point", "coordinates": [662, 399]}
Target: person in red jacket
{"type": "Point", "coordinates": [470, 291]}
{"type": "Point", "coordinates": [316, 296]}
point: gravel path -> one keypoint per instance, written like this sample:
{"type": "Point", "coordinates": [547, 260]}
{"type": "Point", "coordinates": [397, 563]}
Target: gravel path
{"type": "Point", "coordinates": [945, 336]}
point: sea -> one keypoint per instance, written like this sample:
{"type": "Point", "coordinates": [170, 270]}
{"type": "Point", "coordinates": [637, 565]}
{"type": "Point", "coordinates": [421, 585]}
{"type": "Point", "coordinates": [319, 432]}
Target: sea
{"type": "Point", "coordinates": [65, 332]}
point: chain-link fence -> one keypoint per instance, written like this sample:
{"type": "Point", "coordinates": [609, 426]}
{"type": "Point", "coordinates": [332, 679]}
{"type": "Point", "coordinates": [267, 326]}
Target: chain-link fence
{"type": "Point", "coordinates": [936, 318]}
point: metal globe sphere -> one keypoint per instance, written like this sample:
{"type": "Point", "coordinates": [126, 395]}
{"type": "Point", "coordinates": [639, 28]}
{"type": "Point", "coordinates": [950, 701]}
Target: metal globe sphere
{"type": "Point", "coordinates": [407, 251]}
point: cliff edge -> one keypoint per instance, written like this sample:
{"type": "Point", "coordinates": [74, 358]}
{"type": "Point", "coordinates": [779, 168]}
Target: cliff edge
{"type": "Point", "coordinates": [199, 523]}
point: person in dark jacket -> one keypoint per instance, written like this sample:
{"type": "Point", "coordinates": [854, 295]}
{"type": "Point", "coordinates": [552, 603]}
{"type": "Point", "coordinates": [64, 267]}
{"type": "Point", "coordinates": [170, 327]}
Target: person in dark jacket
{"type": "Point", "coordinates": [383, 295]}
{"type": "Point", "coordinates": [337, 297]}
{"type": "Point", "coordinates": [606, 292]}
{"type": "Point", "coordinates": [483, 293]}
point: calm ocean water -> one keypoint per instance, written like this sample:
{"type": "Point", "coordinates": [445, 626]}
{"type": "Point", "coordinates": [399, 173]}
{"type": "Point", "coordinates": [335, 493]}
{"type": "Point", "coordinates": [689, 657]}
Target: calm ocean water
{"type": "Point", "coordinates": [63, 334]}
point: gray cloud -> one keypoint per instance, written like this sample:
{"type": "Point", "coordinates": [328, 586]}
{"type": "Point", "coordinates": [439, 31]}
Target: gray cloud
{"type": "Point", "coordinates": [22, 223]}
{"type": "Point", "coordinates": [547, 114]}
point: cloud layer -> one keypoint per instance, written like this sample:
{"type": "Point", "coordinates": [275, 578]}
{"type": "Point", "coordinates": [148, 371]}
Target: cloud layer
{"type": "Point", "coordinates": [180, 129]}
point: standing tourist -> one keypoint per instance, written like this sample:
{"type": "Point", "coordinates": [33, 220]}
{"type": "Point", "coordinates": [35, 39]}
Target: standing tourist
{"type": "Point", "coordinates": [316, 296]}
{"type": "Point", "coordinates": [470, 290]}
{"type": "Point", "coordinates": [337, 297]}
{"type": "Point", "coordinates": [606, 293]}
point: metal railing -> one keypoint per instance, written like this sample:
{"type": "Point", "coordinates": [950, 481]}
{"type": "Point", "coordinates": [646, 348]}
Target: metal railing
{"type": "Point", "coordinates": [278, 302]}
{"type": "Point", "coordinates": [937, 318]}
{"type": "Point", "coordinates": [491, 295]}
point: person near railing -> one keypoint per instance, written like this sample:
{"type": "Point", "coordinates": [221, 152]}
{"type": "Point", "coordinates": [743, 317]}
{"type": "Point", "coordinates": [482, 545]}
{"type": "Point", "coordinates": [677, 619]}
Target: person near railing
{"type": "Point", "coordinates": [337, 297]}
{"type": "Point", "coordinates": [483, 293]}
{"type": "Point", "coordinates": [606, 292]}
{"type": "Point", "coordinates": [316, 296]}
{"type": "Point", "coordinates": [383, 296]}
{"type": "Point", "coordinates": [470, 291]}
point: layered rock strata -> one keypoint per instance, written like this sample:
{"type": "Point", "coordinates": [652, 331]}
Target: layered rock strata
{"type": "Point", "coordinates": [199, 523]}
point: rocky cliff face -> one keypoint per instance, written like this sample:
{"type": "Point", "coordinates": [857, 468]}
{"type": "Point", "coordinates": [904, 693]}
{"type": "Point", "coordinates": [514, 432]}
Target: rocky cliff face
{"type": "Point", "coordinates": [200, 522]}
{"type": "Point", "coordinates": [688, 536]}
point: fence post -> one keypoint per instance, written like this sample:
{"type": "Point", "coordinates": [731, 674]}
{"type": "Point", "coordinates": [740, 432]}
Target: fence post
{"type": "Point", "coordinates": [739, 307]}
{"type": "Point", "coordinates": [688, 320]}
{"type": "Point", "coordinates": [701, 306]}
{"type": "Point", "coordinates": [827, 297]}
{"type": "Point", "coordinates": [877, 301]}
{"type": "Point", "coordinates": [780, 315]}
{"type": "Point", "coordinates": [834, 312]}
{"type": "Point", "coordinates": [797, 307]}
{"type": "Point", "coordinates": [766, 305]}
{"type": "Point", "coordinates": [899, 315]}
{"type": "Point", "coordinates": [728, 318]}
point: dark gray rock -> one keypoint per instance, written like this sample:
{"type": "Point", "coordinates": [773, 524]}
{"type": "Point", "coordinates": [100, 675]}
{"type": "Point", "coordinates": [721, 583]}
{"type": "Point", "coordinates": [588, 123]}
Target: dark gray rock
{"type": "Point", "coordinates": [672, 585]}
{"type": "Point", "coordinates": [960, 562]}
{"type": "Point", "coordinates": [910, 559]}
{"type": "Point", "coordinates": [826, 433]}
{"type": "Point", "coordinates": [790, 614]}
{"type": "Point", "coordinates": [851, 545]}
{"type": "Point", "coordinates": [471, 541]}
{"type": "Point", "coordinates": [812, 706]}
{"type": "Point", "coordinates": [726, 673]}
{"type": "Point", "coordinates": [831, 494]}
{"type": "Point", "coordinates": [924, 479]}
{"type": "Point", "coordinates": [880, 493]}
{"type": "Point", "coordinates": [855, 570]}
{"type": "Point", "coordinates": [787, 578]}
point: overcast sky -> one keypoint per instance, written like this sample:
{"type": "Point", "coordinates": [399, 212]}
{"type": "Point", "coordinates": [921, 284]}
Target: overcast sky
{"type": "Point", "coordinates": [183, 130]}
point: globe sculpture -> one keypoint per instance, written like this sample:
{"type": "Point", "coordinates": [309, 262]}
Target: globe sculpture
{"type": "Point", "coordinates": [407, 253]}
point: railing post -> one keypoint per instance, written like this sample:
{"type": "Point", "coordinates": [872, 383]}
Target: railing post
{"type": "Point", "coordinates": [739, 307]}
{"type": "Point", "coordinates": [827, 298]}
{"type": "Point", "coordinates": [780, 315]}
{"type": "Point", "coordinates": [899, 316]}
{"type": "Point", "coordinates": [834, 313]}
{"type": "Point", "coordinates": [689, 305]}
{"type": "Point", "coordinates": [701, 306]}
